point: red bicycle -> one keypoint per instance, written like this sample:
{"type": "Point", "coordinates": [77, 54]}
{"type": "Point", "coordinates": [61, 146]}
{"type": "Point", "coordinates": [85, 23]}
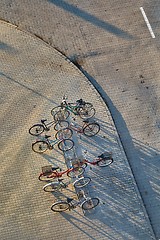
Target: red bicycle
{"type": "Point", "coordinates": [49, 172]}
{"type": "Point", "coordinates": [103, 160]}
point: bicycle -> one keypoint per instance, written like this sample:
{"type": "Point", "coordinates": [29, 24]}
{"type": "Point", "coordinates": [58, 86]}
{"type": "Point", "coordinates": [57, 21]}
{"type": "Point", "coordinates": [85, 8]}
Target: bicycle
{"type": "Point", "coordinates": [86, 203]}
{"type": "Point", "coordinates": [89, 129]}
{"type": "Point", "coordinates": [56, 186]}
{"type": "Point", "coordinates": [48, 172]}
{"type": "Point", "coordinates": [80, 108]}
{"type": "Point", "coordinates": [103, 160]}
{"type": "Point", "coordinates": [41, 146]}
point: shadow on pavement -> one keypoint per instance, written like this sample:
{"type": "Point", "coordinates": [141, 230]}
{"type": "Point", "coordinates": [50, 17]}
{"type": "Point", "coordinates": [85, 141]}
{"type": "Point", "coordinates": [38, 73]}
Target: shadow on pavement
{"type": "Point", "coordinates": [92, 19]}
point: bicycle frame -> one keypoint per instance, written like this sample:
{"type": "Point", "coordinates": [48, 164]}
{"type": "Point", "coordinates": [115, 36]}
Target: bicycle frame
{"type": "Point", "coordinates": [55, 173]}
{"type": "Point", "coordinates": [78, 129]}
{"type": "Point", "coordinates": [59, 174]}
{"type": "Point", "coordinates": [47, 125]}
{"type": "Point", "coordinates": [94, 162]}
{"type": "Point", "coordinates": [103, 156]}
{"type": "Point", "coordinates": [74, 203]}
{"type": "Point", "coordinates": [70, 108]}
{"type": "Point", "coordinates": [50, 144]}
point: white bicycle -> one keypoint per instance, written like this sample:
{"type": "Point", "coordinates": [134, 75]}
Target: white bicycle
{"type": "Point", "coordinates": [86, 203]}
{"type": "Point", "coordinates": [59, 184]}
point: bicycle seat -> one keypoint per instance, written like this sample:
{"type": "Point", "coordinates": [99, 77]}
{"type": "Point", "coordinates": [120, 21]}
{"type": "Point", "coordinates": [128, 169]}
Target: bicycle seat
{"type": "Point", "coordinates": [70, 200]}
{"type": "Point", "coordinates": [86, 121]}
{"type": "Point", "coordinates": [80, 102]}
{"type": "Point", "coordinates": [43, 120]}
{"type": "Point", "coordinates": [54, 168]}
{"type": "Point", "coordinates": [60, 179]}
{"type": "Point", "coordinates": [47, 136]}
{"type": "Point", "coordinates": [105, 155]}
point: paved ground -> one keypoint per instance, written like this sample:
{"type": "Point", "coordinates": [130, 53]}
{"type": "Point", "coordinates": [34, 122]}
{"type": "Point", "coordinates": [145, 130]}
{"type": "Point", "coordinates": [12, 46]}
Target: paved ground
{"type": "Point", "coordinates": [110, 41]}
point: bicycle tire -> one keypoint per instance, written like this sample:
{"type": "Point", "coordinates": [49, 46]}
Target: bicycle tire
{"type": "Point", "coordinates": [65, 145]}
{"type": "Point", "coordinates": [91, 129]}
{"type": "Point", "coordinates": [90, 203]}
{"type": "Point", "coordinates": [82, 182]}
{"type": "Point", "coordinates": [64, 133]}
{"type": "Point", "coordinates": [55, 110]}
{"type": "Point", "coordinates": [36, 129]}
{"type": "Point", "coordinates": [40, 146]}
{"type": "Point", "coordinates": [76, 172]}
{"type": "Point", "coordinates": [52, 187]}
{"type": "Point", "coordinates": [86, 111]}
{"type": "Point", "coordinates": [60, 113]}
{"type": "Point", "coordinates": [61, 125]}
{"type": "Point", "coordinates": [43, 177]}
{"type": "Point", "coordinates": [105, 162]}
{"type": "Point", "coordinates": [60, 206]}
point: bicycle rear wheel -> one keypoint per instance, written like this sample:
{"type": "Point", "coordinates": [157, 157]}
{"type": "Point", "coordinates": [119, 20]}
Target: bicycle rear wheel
{"type": "Point", "coordinates": [65, 145]}
{"type": "Point", "coordinates": [91, 129]}
{"type": "Point", "coordinates": [60, 206]}
{"type": "Point", "coordinates": [105, 162]}
{"type": "Point", "coordinates": [36, 129]}
{"type": "Point", "coordinates": [39, 146]}
{"type": "Point", "coordinates": [52, 187]}
{"type": "Point", "coordinates": [64, 133]}
{"type": "Point", "coordinates": [61, 125]}
{"type": "Point", "coordinates": [82, 182]}
{"type": "Point", "coordinates": [86, 111]}
{"type": "Point", "coordinates": [76, 172]}
{"type": "Point", "coordinates": [90, 203]}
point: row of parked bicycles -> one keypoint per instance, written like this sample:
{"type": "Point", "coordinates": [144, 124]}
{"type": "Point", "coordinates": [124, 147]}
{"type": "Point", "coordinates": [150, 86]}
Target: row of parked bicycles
{"type": "Point", "coordinates": [63, 137]}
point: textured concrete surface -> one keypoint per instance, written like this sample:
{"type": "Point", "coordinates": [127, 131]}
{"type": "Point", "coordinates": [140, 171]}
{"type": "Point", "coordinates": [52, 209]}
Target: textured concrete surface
{"type": "Point", "coordinates": [115, 50]}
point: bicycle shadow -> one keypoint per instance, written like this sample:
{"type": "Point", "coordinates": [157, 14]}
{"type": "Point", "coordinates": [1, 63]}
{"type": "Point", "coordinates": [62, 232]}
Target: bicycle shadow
{"type": "Point", "coordinates": [86, 227]}
{"type": "Point", "coordinates": [53, 160]}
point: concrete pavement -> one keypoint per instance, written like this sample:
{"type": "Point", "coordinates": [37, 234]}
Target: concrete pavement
{"type": "Point", "coordinates": [34, 77]}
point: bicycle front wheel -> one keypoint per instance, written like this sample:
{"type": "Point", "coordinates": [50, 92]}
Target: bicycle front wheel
{"type": "Point", "coordinates": [65, 145]}
{"type": "Point", "coordinates": [55, 110]}
{"type": "Point", "coordinates": [61, 125]}
{"type": "Point", "coordinates": [36, 129]}
{"type": "Point", "coordinates": [105, 162]}
{"type": "Point", "coordinates": [86, 111]}
{"type": "Point", "coordinates": [64, 133]}
{"type": "Point", "coordinates": [60, 206]}
{"type": "Point", "coordinates": [76, 172]}
{"type": "Point", "coordinates": [82, 182]}
{"type": "Point", "coordinates": [91, 129]}
{"type": "Point", "coordinates": [39, 146]}
{"type": "Point", "coordinates": [90, 203]}
{"type": "Point", "coordinates": [52, 187]}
